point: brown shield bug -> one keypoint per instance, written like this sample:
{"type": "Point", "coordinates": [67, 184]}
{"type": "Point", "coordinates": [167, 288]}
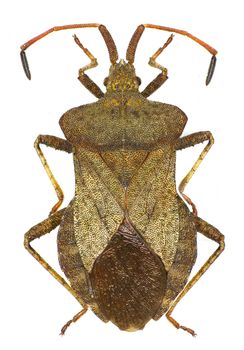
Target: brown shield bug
{"type": "Point", "coordinates": [127, 240]}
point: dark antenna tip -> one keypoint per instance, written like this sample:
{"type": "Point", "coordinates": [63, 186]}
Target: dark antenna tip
{"type": "Point", "coordinates": [211, 69]}
{"type": "Point", "coordinates": [25, 64]}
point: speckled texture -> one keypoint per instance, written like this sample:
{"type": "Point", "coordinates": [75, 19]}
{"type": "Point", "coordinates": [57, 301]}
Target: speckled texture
{"type": "Point", "coordinates": [127, 241]}
{"type": "Point", "coordinates": [123, 120]}
{"type": "Point", "coordinates": [71, 263]}
{"type": "Point", "coordinates": [98, 206]}
{"type": "Point", "coordinates": [152, 203]}
{"type": "Point", "coordinates": [101, 202]}
{"type": "Point", "coordinates": [128, 279]}
{"type": "Point", "coordinates": [132, 236]}
{"type": "Point", "coordinates": [69, 257]}
{"type": "Point", "coordinates": [184, 257]}
{"type": "Point", "coordinates": [141, 184]}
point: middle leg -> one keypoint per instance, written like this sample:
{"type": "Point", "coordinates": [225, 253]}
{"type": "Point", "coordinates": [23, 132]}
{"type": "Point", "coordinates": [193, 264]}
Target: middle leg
{"type": "Point", "coordinates": [188, 141]}
{"type": "Point", "coordinates": [59, 144]}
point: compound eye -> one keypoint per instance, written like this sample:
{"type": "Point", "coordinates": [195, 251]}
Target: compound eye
{"type": "Point", "coordinates": [138, 81]}
{"type": "Point", "coordinates": [105, 82]}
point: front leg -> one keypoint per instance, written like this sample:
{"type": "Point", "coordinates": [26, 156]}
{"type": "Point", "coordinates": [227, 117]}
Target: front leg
{"type": "Point", "coordinates": [162, 77]}
{"type": "Point", "coordinates": [188, 141]}
{"type": "Point", "coordinates": [59, 144]}
{"type": "Point", "coordinates": [83, 78]}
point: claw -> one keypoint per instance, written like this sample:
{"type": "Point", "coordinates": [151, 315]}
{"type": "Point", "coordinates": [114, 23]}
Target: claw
{"type": "Point", "coordinates": [189, 330]}
{"type": "Point", "coordinates": [178, 326]}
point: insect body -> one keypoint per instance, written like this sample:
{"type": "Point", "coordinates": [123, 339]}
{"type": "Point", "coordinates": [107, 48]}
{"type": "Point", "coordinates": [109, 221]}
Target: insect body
{"type": "Point", "coordinates": [127, 240]}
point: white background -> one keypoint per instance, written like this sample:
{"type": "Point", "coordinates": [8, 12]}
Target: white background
{"type": "Point", "coordinates": [33, 305]}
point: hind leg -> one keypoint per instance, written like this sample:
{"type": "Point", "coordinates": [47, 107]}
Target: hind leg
{"type": "Point", "coordinates": [74, 319]}
{"type": "Point", "coordinates": [38, 231]}
{"type": "Point", "coordinates": [212, 233]}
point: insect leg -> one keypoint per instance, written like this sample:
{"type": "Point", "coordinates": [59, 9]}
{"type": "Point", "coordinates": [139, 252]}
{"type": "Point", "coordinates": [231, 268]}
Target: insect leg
{"type": "Point", "coordinates": [162, 77]}
{"type": "Point", "coordinates": [74, 319]}
{"type": "Point", "coordinates": [188, 141]}
{"type": "Point", "coordinates": [83, 78]}
{"type": "Point", "coordinates": [155, 84]}
{"type": "Point", "coordinates": [131, 50]}
{"type": "Point", "coordinates": [59, 144]}
{"type": "Point", "coordinates": [86, 81]}
{"type": "Point", "coordinates": [212, 233]}
{"type": "Point", "coordinates": [40, 230]}
{"type": "Point", "coordinates": [89, 84]}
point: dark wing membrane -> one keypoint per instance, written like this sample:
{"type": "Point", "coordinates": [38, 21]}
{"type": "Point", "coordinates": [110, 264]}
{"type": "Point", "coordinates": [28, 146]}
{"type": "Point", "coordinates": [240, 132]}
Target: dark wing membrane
{"type": "Point", "coordinates": [128, 280]}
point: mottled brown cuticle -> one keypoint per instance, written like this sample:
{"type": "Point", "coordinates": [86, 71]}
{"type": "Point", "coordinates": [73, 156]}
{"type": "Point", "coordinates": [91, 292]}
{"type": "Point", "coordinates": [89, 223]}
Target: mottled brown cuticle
{"type": "Point", "coordinates": [127, 240]}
